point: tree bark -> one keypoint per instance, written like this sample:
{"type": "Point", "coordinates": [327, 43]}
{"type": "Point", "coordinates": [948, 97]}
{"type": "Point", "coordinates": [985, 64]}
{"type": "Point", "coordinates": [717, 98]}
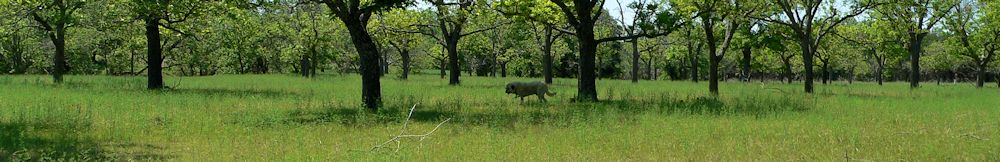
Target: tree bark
{"type": "Point", "coordinates": [60, 58]}
{"type": "Point", "coordinates": [914, 49]}
{"type": "Point", "coordinates": [547, 55]}
{"type": "Point", "coordinates": [503, 69]}
{"type": "Point", "coordinates": [587, 84]}
{"type": "Point", "coordinates": [980, 74]}
{"type": "Point", "coordinates": [304, 66]}
{"type": "Point", "coordinates": [442, 67]}
{"type": "Point", "coordinates": [635, 60]}
{"type": "Point", "coordinates": [826, 71]}
{"type": "Point", "coordinates": [154, 54]}
{"type": "Point", "coordinates": [713, 58]}
{"type": "Point", "coordinates": [455, 70]}
{"type": "Point", "coordinates": [878, 73]}
{"type": "Point", "coordinates": [806, 43]}
{"type": "Point", "coordinates": [694, 63]}
{"type": "Point", "coordinates": [371, 94]}
{"type": "Point", "coordinates": [405, 55]}
{"type": "Point", "coordinates": [787, 61]}
{"type": "Point", "coordinates": [747, 58]}
{"type": "Point", "coordinates": [649, 69]}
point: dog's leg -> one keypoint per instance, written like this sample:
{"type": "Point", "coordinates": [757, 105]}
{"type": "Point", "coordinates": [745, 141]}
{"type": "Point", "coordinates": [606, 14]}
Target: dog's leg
{"type": "Point", "coordinates": [541, 97]}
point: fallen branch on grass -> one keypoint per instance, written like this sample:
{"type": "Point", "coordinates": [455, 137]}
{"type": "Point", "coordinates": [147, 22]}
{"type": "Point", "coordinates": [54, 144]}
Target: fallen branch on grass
{"type": "Point", "coordinates": [419, 137]}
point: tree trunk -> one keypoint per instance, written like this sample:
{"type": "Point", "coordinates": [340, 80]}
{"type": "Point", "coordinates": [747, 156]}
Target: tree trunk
{"type": "Point", "coordinates": [405, 55]}
{"type": "Point", "coordinates": [442, 67]}
{"type": "Point", "coordinates": [154, 54]}
{"type": "Point", "coordinates": [59, 59]}
{"type": "Point", "coordinates": [747, 58]}
{"type": "Point", "coordinates": [694, 63]}
{"type": "Point", "coordinates": [635, 60]}
{"type": "Point", "coordinates": [914, 49]}
{"type": "Point", "coordinates": [878, 73]}
{"type": "Point", "coordinates": [787, 61]}
{"type": "Point", "coordinates": [826, 71]}
{"type": "Point", "coordinates": [713, 58]}
{"type": "Point", "coordinates": [587, 84]}
{"type": "Point", "coordinates": [547, 55]}
{"type": "Point", "coordinates": [371, 90]}
{"type": "Point", "coordinates": [503, 69]}
{"type": "Point", "coordinates": [304, 66]}
{"type": "Point", "coordinates": [314, 58]}
{"type": "Point", "coordinates": [807, 59]}
{"type": "Point", "coordinates": [649, 69]}
{"type": "Point", "coordinates": [980, 74]}
{"type": "Point", "coordinates": [455, 70]}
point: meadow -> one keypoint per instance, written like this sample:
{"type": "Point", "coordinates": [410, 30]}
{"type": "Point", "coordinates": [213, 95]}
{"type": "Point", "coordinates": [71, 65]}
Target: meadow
{"type": "Point", "coordinates": [290, 118]}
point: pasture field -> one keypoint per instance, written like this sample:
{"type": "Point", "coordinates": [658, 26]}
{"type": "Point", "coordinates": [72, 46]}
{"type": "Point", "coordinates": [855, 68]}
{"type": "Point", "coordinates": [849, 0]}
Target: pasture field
{"type": "Point", "coordinates": [290, 118]}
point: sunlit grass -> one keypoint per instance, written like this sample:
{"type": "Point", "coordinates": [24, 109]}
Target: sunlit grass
{"type": "Point", "coordinates": [284, 117]}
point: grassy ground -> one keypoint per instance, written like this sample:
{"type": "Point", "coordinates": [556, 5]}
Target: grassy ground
{"type": "Point", "coordinates": [287, 118]}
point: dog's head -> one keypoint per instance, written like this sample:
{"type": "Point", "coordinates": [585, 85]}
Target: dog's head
{"type": "Point", "coordinates": [510, 88]}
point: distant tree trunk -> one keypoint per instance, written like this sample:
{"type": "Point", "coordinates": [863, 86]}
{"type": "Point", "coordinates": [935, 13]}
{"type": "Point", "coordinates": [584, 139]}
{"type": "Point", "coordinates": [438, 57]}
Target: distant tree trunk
{"type": "Point", "coordinates": [314, 58]}
{"type": "Point", "coordinates": [693, 55]}
{"type": "Point", "coordinates": [503, 69]}
{"type": "Point", "coordinates": [878, 73]}
{"type": "Point", "coordinates": [787, 61]}
{"type": "Point", "coordinates": [635, 60]}
{"type": "Point", "coordinates": [649, 69]}
{"type": "Point", "coordinates": [746, 63]}
{"type": "Point", "coordinates": [369, 55]}
{"type": "Point", "coordinates": [442, 67]}
{"type": "Point", "coordinates": [19, 65]}
{"type": "Point", "coordinates": [304, 66]}
{"type": "Point", "coordinates": [914, 49]}
{"type": "Point", "coordinates": [825, 70]}
{"type": "Point", "coordinates": [980, 74]}
{"type": "Point", "coordinates": [405, 55]}
{"type": "Point", "coordinates": [154, 56]}
{"type": "Point", "coordinates": [547, 55]}
{"type": "Point", "coordinates": [694, 63]}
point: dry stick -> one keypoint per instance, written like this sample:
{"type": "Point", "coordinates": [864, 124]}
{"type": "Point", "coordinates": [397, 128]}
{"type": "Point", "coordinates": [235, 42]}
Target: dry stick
{"type": "Point", "coordinates": [402, 130]}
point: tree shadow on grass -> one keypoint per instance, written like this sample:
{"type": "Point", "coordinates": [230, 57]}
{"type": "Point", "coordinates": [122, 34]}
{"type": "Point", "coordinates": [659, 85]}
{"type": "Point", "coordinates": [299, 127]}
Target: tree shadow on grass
{"type": "Point", "coordinates": [232, 92]}
{"type": "Point", "coordinates": [500, 115]}
{"type": "Point", "coordinates": [32, 141]}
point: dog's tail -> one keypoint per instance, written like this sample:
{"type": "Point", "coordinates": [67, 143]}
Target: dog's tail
{"type": "Point", "coordinates": [550, 93]}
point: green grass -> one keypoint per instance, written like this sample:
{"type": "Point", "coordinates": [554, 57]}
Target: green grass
{"type": "Point", "coordinates": [288, 118]}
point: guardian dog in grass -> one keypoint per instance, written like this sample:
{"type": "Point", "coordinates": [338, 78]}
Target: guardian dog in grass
{"type": "Point", "coordinates": [523, 89]}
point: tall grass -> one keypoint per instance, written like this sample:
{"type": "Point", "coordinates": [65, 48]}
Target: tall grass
{"type": "Point", "coordinates": [288, 118]}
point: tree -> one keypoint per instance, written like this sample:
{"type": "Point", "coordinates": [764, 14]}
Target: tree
{"type": "Point", "coordinates": [395, 25]}
{"type": "Point", "coordinates": [582, 15]}
{"type": "Point", "coordinates": [711, 12]}
{"type": "Point", "coordinates": [13, 37]}
{"type": "Point", "coordinates": [544, 16]}
{"type": "Point", "coordinates": [808, 27]}
{"type": "Point", "coordinates": [451, 20]}
{"type": "Point", "coordinates": [642, 22]}
{"type": "Point", "coordinates": [916, 17]}
{"type": "Point", "coordinates": [355, 16]}
{"type": "Point", "coordinates": [879, 43]}
{"type": "Point", "coordinates": [54, 17]}
{"type": "Point", "coordinates": [693, 50]}
{"type": "Point", "coordinates": [158, 14]}
{"type": "Point", "coordinates": [975, 33]}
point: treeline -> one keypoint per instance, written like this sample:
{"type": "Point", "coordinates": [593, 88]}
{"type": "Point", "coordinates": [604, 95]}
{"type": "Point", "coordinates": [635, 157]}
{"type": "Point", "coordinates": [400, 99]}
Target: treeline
{"type": "Point", "coordinates": [698, 40]}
